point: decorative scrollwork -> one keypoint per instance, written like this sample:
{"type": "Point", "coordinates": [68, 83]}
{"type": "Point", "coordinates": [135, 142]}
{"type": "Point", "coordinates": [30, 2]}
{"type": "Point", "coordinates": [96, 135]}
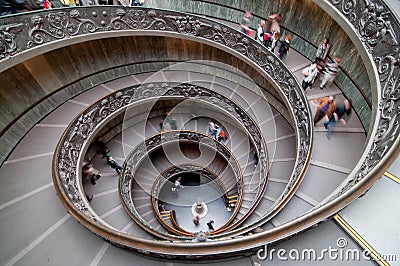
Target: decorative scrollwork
{"type": "Point", "coordinates": [8, 45]}
{"type": "Point", "coordinates": [377, 29]}
{"type": "Point", "coordinates": [373, 21]}
{"type": "Point", "coordinates": [187, 24]}
{"type": "Point", "coordinates": [375, 25]}
{"type": "Point", "coordinates": [128, 177]}
{"type": "Point", "coordinates": [59, 25]}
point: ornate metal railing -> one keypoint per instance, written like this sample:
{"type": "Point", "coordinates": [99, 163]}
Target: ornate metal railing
{"type": "Point", "coordinates": [47, 30]}
{"type": "Point", "coordinates": [136, 156]}
{"type": "Point", "coordinates": [83, 129]}
{"type": "Point", "coordinates": [377, 29]}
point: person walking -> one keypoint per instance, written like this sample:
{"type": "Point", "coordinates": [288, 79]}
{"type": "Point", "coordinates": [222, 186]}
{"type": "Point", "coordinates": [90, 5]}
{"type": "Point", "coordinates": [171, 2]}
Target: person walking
{"type": "Point", "coordinates": [309, 76]}
{"type": "Point", "coordinates": [212, 130]}
{"type": "Point", "coordinates": [177, 183]}
{"type": "Point", "coordinates": [196, 220]}
{"type": "Point", "coordinates": [90, 173]}
{"type": "Point", "coordinates": [245, 23]}
{"type": "Point", "coordinates": [113, 164]}
{"type": "Point", "coordinates": [255, 159]}
{"type": "Point", "coordinates": [260, 32]}
{"type": "Point", "coordinates": [325, 108]}
{"type": "Point", "coordinates": [272, 41]}
{"type": "Point", "coordinates": [273, 22]}
{"type": "Point", "coordinates": [101, 147]}
{"type": "Point", "coordinates": [323, 50]}
{"type": "Point", "coordinates": [221, 136]}
{"type": "Point", "coordinates": [331, 70]}
{"type": "Point", "coordinates": [341, 109]}
{"type": "Point", "coordinates": [218, 130]}
{"type": "Point", "coordinates": [210, 225]}
{"type": "Point", "coordinates": [285, 45]}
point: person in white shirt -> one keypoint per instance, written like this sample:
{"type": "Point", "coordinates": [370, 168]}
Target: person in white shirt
{"type": "Point", "coordinates": [309, 73]}
{"type": "Point", "coordinates": [178, 183]}
{"type": "Point", "coordinates": [260, 31]}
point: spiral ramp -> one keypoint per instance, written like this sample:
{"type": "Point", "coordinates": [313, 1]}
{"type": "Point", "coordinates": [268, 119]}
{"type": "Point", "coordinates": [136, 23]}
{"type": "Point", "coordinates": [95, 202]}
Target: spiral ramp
{"type": "Point", "coordinates": [47, 235]}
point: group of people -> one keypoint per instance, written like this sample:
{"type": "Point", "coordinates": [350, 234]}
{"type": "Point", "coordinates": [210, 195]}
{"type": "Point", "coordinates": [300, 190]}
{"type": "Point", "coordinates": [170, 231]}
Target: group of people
{"type": "Point", "coordinates": [216, 131]}
{"type": "Point", "coordinates": [328, 107]}
{"type": "Point", "coordinates": [101, 148]}
{"type": "Point", "coordinates": [321, 65]}
{"type": "Point", "coordinates": [196, 221]}
{"type": "Point", "coordinates": [268, 34]}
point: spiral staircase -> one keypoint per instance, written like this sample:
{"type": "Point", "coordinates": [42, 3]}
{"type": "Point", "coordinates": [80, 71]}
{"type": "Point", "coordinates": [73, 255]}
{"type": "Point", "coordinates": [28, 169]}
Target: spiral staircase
{"type": "Point", "coordinates": [300, 180]}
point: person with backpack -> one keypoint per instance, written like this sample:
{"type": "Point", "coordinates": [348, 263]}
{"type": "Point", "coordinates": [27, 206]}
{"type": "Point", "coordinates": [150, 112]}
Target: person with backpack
{"type": "Point", "coordinates": [285, 45]}
{"type": "Point", "coordinates": [326, 108]}
{"type": "Point", "coordinates": [221, 136]}
{"type": "Point", "coordinates": [90, 173]}
{"type": "Point", "coordinates": [342, 109]}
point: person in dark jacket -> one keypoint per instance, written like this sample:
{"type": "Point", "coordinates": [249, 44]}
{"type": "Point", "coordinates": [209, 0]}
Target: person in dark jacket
{"type": "Point", "coordinates": [341, 110]}
{"type": "Point", "coordinates": [285, 45]}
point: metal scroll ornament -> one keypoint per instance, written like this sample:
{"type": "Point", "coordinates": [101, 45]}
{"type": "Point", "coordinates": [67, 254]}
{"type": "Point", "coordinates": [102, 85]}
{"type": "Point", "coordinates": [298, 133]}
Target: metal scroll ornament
{"type": "Point", "coordinates": [134, 159]}
{"type": "Point", "coordinates": [65, 24]}
{"type": "Point", "coordinates": [8, 44]}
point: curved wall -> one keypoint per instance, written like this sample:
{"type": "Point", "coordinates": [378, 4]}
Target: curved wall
{"type": "Point", "coordinates": [309, 22]}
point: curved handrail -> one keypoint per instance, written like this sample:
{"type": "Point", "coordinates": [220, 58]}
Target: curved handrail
{"type": "Point", "coordinates": [175, 222]}
{"type": "Point", "coordinates": [88, 117]}
{"type": "Point", "coordinates": [151, 144]}
{"type": "Point", "coordinates": [254, 134]}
